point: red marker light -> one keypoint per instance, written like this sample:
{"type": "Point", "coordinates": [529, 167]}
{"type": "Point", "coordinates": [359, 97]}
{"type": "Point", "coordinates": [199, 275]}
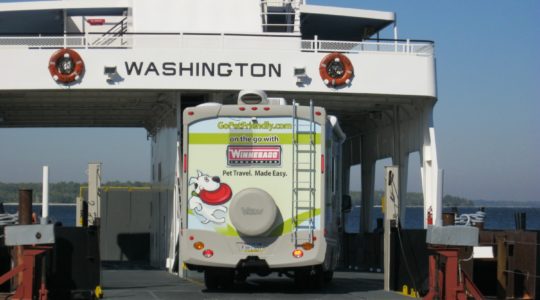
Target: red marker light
{"type": "Point", "coordinates": [254, 108]}
{"type": "Point", "coordinates": [190, 113]}
{"type": "Point", "coordinates": [242, 108]}
{"type": "Point", "coordinates": [185, 163]}
{"type": "Point", "coordinates": [318, 113]}
{"type": "Point", "coordinates": [208, 253]}
{"type": "Point", "coordinates": [267, 108]}
{"type": "Point", "coordinates": [191, 238]}
{"type": "Point", "coordinates": [322, 163]}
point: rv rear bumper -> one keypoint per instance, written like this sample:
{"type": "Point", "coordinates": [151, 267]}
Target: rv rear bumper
{"type": "Point", "coordinates": [248, 253]}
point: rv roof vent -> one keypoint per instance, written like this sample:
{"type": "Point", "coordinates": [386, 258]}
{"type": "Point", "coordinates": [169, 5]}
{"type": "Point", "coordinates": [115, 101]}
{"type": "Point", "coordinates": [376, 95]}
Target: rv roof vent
{"type": "Point", "coordinates": [252, 97]}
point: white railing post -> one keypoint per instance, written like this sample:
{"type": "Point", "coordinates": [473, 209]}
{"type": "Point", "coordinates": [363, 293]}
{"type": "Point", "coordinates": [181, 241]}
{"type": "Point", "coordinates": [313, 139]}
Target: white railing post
{"type": "Point", "coordinates": [180, 40]}
{"type": "Point", "coordinates": [222, 41]}
{"type": "Point", "coordinates": [64, 13]}
{"type": "Point", "coordinates": [316, 43]}
{"type": "Point", "coordinates": [45, 196]}
{"type": "Point", "coordinates": [395, 36]}
{"type": "Point", "coordinates": [408, 47]}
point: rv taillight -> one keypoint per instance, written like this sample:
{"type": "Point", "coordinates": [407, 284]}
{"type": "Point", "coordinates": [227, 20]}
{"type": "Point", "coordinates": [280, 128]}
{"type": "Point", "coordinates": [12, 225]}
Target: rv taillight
{"type": "Point", "coordinates": [191, 238]}
{"type": "Point", "coordinates": [185, 163]}
{"type": "Point", "coordinates": [322, 163]}
{"type": "Point", "coordinates": [318, 113]}
{"type": "Point", "coordinates": [208, 253]}
{"type": "Point", "coordinates": [297, 253]}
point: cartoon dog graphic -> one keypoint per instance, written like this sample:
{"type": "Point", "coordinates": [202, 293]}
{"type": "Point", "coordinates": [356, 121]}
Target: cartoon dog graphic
{"type": "Point", "coordinates": [208, 197]}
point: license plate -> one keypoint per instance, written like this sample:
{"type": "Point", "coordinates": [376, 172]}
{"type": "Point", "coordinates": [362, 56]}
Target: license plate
{"type": "Point", "coordinates": [253, 247]}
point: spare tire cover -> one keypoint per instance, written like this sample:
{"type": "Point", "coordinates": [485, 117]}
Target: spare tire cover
{"type": "Point", "coordinates": [252, 212]}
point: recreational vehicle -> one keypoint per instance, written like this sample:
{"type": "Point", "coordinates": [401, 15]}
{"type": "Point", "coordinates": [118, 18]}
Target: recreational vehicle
{"type": "Point", "coordinates": [261, 190]}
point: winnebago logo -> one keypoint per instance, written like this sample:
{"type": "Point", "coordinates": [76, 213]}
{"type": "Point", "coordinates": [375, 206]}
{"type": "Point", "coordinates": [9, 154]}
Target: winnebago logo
{"type": "Point", "coordinates": [253, 155]}
{"type": "Point", "coordinates": [202, 69]}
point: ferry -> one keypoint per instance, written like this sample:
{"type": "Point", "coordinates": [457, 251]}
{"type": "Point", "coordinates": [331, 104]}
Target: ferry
{"type": "Point", "coordinates": [148, 64]}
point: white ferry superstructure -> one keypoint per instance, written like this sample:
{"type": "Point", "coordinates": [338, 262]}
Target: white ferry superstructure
{"type": "Point", "coordinates": [140, 63]}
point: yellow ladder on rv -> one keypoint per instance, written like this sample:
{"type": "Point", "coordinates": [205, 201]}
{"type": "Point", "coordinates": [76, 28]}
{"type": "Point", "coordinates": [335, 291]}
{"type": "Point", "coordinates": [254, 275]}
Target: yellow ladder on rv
{"type": "Point", "coordinates": [303, 204]}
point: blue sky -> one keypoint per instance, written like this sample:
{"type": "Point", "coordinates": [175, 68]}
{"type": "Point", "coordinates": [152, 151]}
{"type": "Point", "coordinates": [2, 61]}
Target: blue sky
{"type": "Point", "coordinates": [488, 75]}
{"type": "Point", "coordinates": [486, 117]}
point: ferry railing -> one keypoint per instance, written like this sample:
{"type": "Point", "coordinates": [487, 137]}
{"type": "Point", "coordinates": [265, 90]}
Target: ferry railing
{"type": "Point", "coordinates": [32, 42]}
{"type": "Point", "coordinates": [112, 35]}
{"type": "Point", "coordinates": [403, 46]}
{"type": "Point", "coordinates": [215, 41]}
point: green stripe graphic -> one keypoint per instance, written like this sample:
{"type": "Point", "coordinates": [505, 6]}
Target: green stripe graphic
{"type": "Point", "coordinates": [249, 139]}
{"type": "Point", "coordinates": [281, 229]}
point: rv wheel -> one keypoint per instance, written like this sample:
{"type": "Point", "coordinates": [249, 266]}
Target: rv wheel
{"type": "Point", "coordinates": [328, 276]}
{"type": "Point", "coordinates": [226, 279]}
{"type": "Point", "coordinates": [241, 277]}
{"type": "Point", "coordinates": [302, 278]}
{"type": "Point", "coordinates": [211, 279]}
{"type": "Point", "coordinates": [317, 279]}
{"type": "Point", "coordinates": [219, 278]}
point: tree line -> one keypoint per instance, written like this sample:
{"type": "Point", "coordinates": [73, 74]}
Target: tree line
{"type": "Point", "coordinates": [66, 192]}
{"type": "Point", "coordinates": [417, 199]}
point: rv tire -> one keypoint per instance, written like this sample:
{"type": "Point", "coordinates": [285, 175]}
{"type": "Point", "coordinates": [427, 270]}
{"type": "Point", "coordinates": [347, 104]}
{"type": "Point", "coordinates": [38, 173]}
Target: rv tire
{"type": "Point", "coordinates": [302, 278]}
{"type": "Point", "coordinates": [328, 276]}
{"type": "Point", "coordinates": [227, 279]}
{"type": "Point", "coordinates": [218, 278]}
{"type": "Point", "coordinates": [317, 278]}
{"type": "Point", "coordinates": [211, 279]}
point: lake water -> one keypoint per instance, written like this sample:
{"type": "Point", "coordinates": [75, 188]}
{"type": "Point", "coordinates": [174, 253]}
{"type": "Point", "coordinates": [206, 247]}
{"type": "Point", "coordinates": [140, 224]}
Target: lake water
{"type": "Point", "coordinates": [60, 213]}
{"type": "Point", "coordinates": [497, 218]}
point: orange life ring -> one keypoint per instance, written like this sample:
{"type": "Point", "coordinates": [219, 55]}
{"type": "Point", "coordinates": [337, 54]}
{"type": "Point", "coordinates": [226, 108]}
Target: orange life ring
{"type": "Point", "coordinates": [336, 69]}
{"type": "Point", "coordinates": [66, 65]}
